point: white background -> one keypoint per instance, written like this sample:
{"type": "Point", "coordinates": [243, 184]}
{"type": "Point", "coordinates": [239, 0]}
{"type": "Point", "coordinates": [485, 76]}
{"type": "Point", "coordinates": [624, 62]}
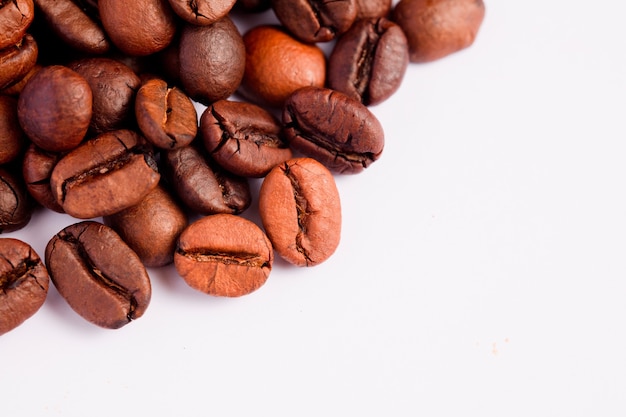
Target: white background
{"type": "Point", "coordinates": [481, 272]}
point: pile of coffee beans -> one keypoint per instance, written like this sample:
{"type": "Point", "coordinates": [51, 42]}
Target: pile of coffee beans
{"type": "Point", "coordinates": [99, 120]}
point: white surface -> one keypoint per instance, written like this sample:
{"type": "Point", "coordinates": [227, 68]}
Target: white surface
{"type": "Point", "coordinates": [481, 270]}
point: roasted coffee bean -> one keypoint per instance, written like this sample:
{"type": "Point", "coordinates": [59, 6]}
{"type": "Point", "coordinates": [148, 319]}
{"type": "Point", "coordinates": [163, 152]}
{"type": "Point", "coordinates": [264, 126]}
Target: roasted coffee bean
{"type": "Point", "coordinates": [16, 88]}
{"type": "Point", "coordinates": [100, 276]}
{"type": "Point", "coordinates": [300, 209]}
{"type": "Point", "coordinates": [243, 138]}
{"type": "Point", "coordinates": [224, 255]}
{"type": "Point", "coordinates": [113, 86]}
{"type": "Point", "coordinates": [165, 115]}
{"type": "Point", "coordinates": [202, 185]}
{"type": "Point", "coordinates": [15, 18]}
{"type": "Point", "coordinates": [37, 166]}
{"type": "Point", "coordinates": [338, 131]}
{"type": "Point", "coordinates": [368, 9]}
{"type": "Point", "coordinates": [12, 138]}
{"type": "Point", "coordinates": [201, 12]}
{"type": "Point", "coordinates": [140, 27]}
{"type": "Point", "coordinates": [24, 283]}
{"type": "Point", "coordinates": [277, 64]}
{"type": "Point", "coordinates": [369, 61]}
{"type": "Point", "coordinates": [55, 108]}
{"type": "Point", "coordinates": [212, 60]}
{"type": "Point", "coordinates": [17, 60]}
{"type": "Point", "coordinates": [76, 23]}
{"type": "Point", "coordinates": [151, 227]}
{"type": "Point", "coordinates": [16, 205]}
{"type": "Point", "coordinates": [104, 175]}
{"type": "Point", "coordinates": [437, 28]}
{"type": "Point", "coordinates": [315, 20]}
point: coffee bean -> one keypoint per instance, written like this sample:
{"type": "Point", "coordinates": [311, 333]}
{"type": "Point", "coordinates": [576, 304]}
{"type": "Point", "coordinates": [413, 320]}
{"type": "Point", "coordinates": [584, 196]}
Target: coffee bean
{"type": "Point", "coordinates": [151, 227]}
{"type": "Point", "coordinates": [368, 62]}
{"type": "Point", "coordinates": [301, 211]}
{"type": "Point", "coordinates": [15, 18]}
{"type": "Point", "coordinates": [16, 206]}
{"type": "Point", "coordinates": [204, 186]}
{"type": "Point", "coordinates": [315, 20]}
{"type": "Point", "coordinates": [17, 60]}
{"type": "Point", "coordinates": [99, 276]}
{"type": "Point", "coordinates": [329, 126]}
{"type": "Point", "coordinates": [55, 108]}
{"type": "Point", "coordinates": [12, 138]}
{"type": "Point", "coordinates": [37, 166]}
{"type": "Point", "coordinates": [24, 283]}
{"type": "Point", "coordinates": [201, 12]}
{"type": "Point", "coordinates": [437, 28]}
{"type": "Point", "coordinates": [243, 138]}
{"type": "Point", "coordinates": [368, 9]}
{"type": "Point", "coordinates": [105, 175]}
{"type": "Point", "coordinates": [224, 255]}
{"type": "Point", "coordinates": [277, 64]}
{"type": "Point", "coordinates": [165, 115]}
{"type": "Point", "coordinates": [76, 23]}
{"type": "Point", "coordinates": [114, 86]}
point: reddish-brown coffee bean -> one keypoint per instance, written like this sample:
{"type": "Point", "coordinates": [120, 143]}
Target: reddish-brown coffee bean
{"type": "Point", "coordinates": [243, 138]}
{"type": "Point", "coordinates": [16, 88]}
{"type": "Point", "coordinates": [16, 206]}
{"type": "Point", "coordinates": [315, 20]}
{"type": "Point", "coordinates": [277, 65]}
{"type": "Point", "coordinates": [15, 18]}
{"type": "Point", "coordinates": [17, 60]}
{"type": "Point", "coordinates": [165, 115]}
{"type": "Point", "coordinates": [201, 12]}
{"type": "Point", "coordinates": [114, 86]}
{"type": "Point", "coordinates": [203, 186]}
{"type": "Point", "coordinates": [37, 166]}
{"type": "Point", "coordinates": [301, 211]}
{"type": "Point", "coordinates": [76, 23]}
{"type": "Point", "coordinates": [55, 108]}
{"type": "Point", "coordinates": [100, 276]}
{"type": "Point", "coordinates": [224, 255]}
{"type": "Point", "coordinates": [151, 227]}
{"type": "Point", "coordinates": [24, 283]}
{"type": "Point", "coordinates": [437, 28]}
{"type": "Point", "coordinates": [369, 61]}
{"type": "Point", "coordinates": [104, 175]}
{"type": "Point", "coordinates": [212, 60]}
{"type": "Point", "coordinates": [369, 9]}
{"type": "Point", "coordinates": [338, 131]}
{"type": "Point", "coordinates": [140, 27]}
{"type": "Point", "coordinates": [12, 138]}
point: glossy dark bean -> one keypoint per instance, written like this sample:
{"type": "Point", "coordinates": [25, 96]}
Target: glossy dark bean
{"type": "Point", "coordinates": [329, 126]}
{"type": "Point", "coordinates": [301, 211]}
{"type": "Point", "coordinates": [37, 166]}
{"type": "Point", "coordinates": [151, 227]}
{"type": "Point", "coordinates": [16, 205]}
{"type": "Point", "coordinates": [315, 20]}
{"type": "Point", "coordinates": [369, 61]}
{"type": "Point", "coordinates": [99, 275]}
{"type": "Point", "coordinates": [201, 12]}
{"type": "Point", "coordinates": [15, 18]}
{"type": "Point", "coordinates": [24, 283]}
{"type": "Point", "coordinates": [202, 185]}
{"type": "Point", "coordinates": [104, 175]}
{"type": "Point", "coordinates": [17, 60]}
{"type": "Point", "coordinates": [224, 255]}
{"type": "Point", "coordinates": [243, 138]}
{"type": "Point", "coordinates": [165, 115]}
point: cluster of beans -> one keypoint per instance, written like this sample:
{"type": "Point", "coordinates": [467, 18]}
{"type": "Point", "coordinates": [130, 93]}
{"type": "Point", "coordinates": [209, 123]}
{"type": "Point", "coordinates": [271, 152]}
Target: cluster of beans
{"type": "Point", "coordinates": [98, 120]}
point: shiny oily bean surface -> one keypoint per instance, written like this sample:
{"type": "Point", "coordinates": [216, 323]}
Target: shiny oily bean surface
{"type": "Point", "coordinates": [165, 115]}
{"type": "Point", "coordinates": [338, 131]}
{"type": "Point", "coordinates": [369, 61]}
{"type": "Point", "coordinates": [105, 175]}
{"type": "Point", "coordinates": [224, 255]}
{"type": "Point", "coordinates": [16, 205]}
{"type": "Point", "coordinates": [99, 275]}
{"type": "Point", "coordinates": [17, 60]}
{"type": "Point", "coordinates": [202, 185]}
{"type": "Point", "coordinates": [24, 282]}
{"type": "Point", "coordinates": [243, 138]}
{"type": "Point", "coordinates": [300, 209]}
{"type": "Point", "coordinates": [15, 18]}
{"type": "Point", "coordinates": [151, 227]}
